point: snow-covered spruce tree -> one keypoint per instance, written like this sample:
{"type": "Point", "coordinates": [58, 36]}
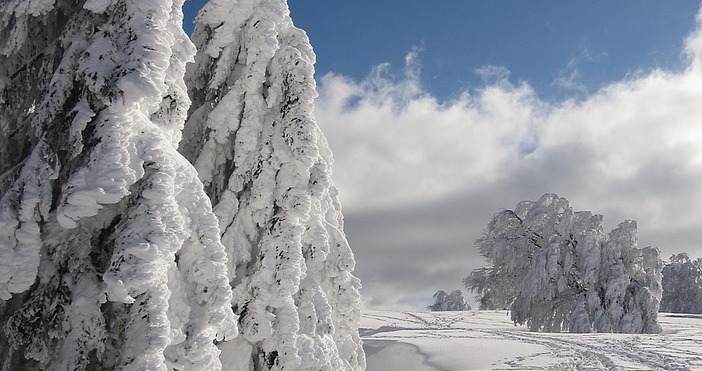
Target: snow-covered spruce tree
{"type": "Point", "coordinates": [682, 285]}
{"type": "Point", "coordinates": [565, 274]}
{"type": "Point", "coordinates": [110, 255]}
{"type": "Point", "coordinates": [266, 167]}
{"type": "Point", "coordinates": [444, 301]}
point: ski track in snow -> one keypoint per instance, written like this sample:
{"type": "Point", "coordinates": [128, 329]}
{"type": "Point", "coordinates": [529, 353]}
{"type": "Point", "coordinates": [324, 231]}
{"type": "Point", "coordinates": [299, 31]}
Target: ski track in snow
{"type": "Point", "coordinates": [488, 340]}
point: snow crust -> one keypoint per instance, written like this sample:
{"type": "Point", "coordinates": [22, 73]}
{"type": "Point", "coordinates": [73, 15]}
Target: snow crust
{"type": "Point", "coordinates": [26, 202]}
{"type": "Point", "coordinates": [28, 7]}
{"type": "Point", "coordinates": [97, 6]}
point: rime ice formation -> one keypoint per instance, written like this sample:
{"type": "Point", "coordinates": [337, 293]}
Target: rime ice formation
{"type": "Point", "coordinates": [562, 272]}
{"type": "Point", "coordinates": [266, 167]}
{"type": "Point", "coordinates": [110, 255]}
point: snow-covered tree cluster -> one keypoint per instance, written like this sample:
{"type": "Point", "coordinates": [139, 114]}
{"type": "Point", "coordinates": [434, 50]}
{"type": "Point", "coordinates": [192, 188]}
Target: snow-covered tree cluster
{"type": "Point", "coordinates": [111, 254]}
{"type": "Point", "coordinates": [444, 301]}
{"type": "Point", "coordinates": [682, 285]}
{"type": "Point", "coordinates": [558, 270]}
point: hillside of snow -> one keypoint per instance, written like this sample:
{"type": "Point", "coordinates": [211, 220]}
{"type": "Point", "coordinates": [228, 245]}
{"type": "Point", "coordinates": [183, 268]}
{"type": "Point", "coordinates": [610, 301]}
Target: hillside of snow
{"type": "Point", "coordinates": [487, 340]}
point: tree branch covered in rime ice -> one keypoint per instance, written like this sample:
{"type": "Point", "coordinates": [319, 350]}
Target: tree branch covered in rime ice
{"type": "Point", "coordinates": [267, 167]}
{"type": "Point", "coordinates": [559, 271]}
{"type": "Point", "coordinates": [110, 256]}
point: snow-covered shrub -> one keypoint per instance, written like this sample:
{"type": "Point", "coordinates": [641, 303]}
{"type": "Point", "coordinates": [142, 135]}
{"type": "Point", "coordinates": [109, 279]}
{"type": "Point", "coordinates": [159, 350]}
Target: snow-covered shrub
{"type": "Point", "coordinates": [267, 169]}
{"type": "Point", "coordinates": [682, 285]}
{"type": "Point", "coordinates": [449, 302]}
{"type": "Point", "coordinates": [560, 271]}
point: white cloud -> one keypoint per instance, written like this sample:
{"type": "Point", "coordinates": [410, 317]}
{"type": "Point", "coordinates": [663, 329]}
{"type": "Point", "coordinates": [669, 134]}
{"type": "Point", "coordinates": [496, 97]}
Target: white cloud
{"type": "Point", "coordinates": [495, 75]}
{"type": "Point", "coordinates": [631, 150]}
{"type": "Point", "coordinates": [569, 79]}
{"type": "Point", "coordinates": [394, 144]}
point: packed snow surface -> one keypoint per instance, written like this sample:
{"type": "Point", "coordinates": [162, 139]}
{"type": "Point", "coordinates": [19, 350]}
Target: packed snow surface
{"type": "Point", "coordinates": [488, 340]}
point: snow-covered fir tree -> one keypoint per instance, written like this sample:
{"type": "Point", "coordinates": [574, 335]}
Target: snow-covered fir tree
{"type": "Point", "coordinates": [266, 167]}
{"type": "Point", "coordinates": [110, 254]}
{"type": "Point", "coordinates": [682, 285]}
{"type": "Point", "coordinates": [562, 272]}
{"type": "Point", "coordinates": [444, 301]}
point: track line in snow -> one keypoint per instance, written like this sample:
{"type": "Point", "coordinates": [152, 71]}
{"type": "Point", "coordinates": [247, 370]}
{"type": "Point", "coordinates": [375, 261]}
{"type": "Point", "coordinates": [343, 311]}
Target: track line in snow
{"type": "Point", "coordinates": [489, 340]}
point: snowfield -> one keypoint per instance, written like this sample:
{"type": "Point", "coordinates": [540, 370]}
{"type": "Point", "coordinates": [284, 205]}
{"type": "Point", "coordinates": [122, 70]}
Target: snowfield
{"type": "Point", "coordinates": [487, 340]}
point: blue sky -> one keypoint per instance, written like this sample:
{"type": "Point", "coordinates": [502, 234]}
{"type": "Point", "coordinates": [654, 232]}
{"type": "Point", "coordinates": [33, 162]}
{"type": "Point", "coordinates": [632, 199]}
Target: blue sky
{"type": "Point", "coordinates": [441, 115]}
{"type": "Point", "coordinates": [538, 41]}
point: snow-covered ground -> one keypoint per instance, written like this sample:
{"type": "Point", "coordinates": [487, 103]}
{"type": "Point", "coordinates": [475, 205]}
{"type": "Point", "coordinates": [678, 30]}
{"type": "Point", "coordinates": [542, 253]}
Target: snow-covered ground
{"type": "Point", "coordinates": [486, 340]}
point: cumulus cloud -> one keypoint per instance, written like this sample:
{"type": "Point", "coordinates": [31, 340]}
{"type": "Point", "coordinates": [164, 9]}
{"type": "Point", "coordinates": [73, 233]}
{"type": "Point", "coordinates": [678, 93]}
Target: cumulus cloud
{"type": "Point", "coordinates": [399, 146]}
{"type": "Point", "coordinates": [420, 178]}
